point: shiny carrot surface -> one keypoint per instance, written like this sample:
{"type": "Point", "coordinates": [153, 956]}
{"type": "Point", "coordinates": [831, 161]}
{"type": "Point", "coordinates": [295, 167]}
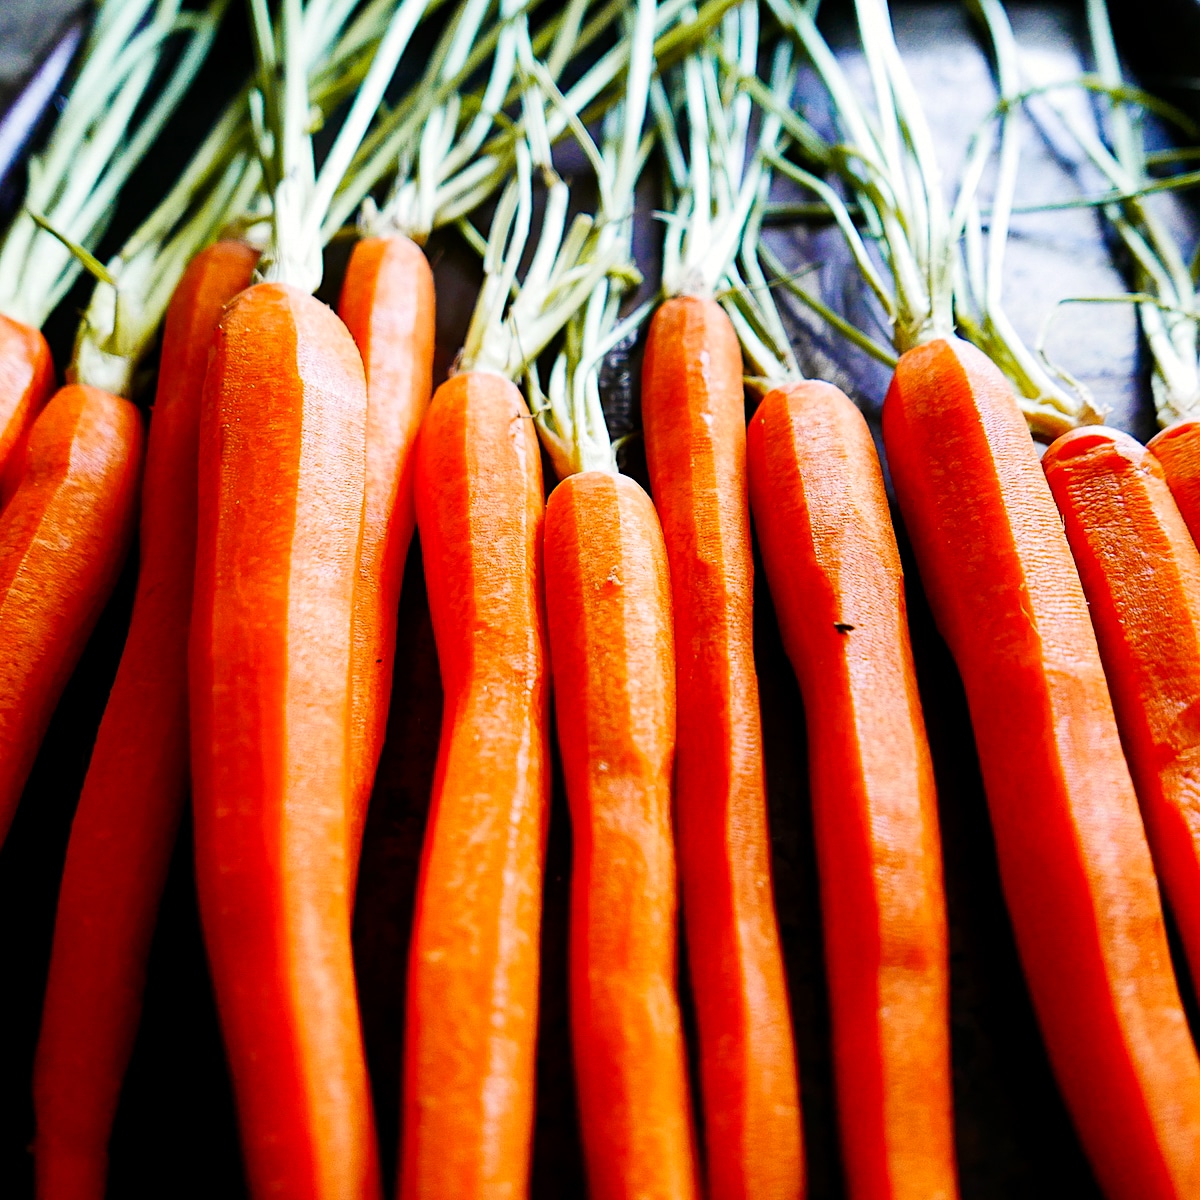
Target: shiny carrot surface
{"type": "Point", "coordinates": [694, 417]}
{"type": "Point", "coordinates": [471, 1017]}
{"type": "Point", "coordinates": [387, 303]}
{"type": "Point", "coordinates": [608, 602]}
{"type": "Point", "coordinates": [63, 537]}
{"type": "Point", "coordinates": [1177, 449]}
{"type": "Point", "coordinates": [26, 381]}
{"type": "Point", "coordinates": [281, 487]}
{"type": "Point", "coordinates": [125, 824]}
{"type": "Point", "coordinates": [830, 555]}
{"type": "Point", "coordinates": [1141, 574]}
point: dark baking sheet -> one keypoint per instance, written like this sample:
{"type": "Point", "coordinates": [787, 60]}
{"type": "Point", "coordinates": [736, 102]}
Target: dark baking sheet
{"type": "Point", "coordinates": [176, 1133]}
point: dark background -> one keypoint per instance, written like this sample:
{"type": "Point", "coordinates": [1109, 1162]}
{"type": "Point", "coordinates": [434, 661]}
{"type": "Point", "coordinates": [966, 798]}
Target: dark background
{"type": "Point", "coordinates": [175, 1133]}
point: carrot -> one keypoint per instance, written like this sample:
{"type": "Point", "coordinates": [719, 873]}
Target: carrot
{"type": "Point", "coordinates": [473, 963]}
{"type": "Point", "coordinates": [282, 492]}
{"type": "Point", "coordinates": [1141, 575]}
{"type": "Point", "coordinates": [1177, 449]}
{"type": "Point", "coordinates": [817, 495]}
{"type": "Point", "coordinates": [128, 814]}
{"type": "Point", "coordinates": [63, 538]}
{"type": "Point", "coordinates": [1073, 858]}
{"type": "Point", "coordinates": [608, 604]}
{"type": "Point", "coordinates": [281, 487]}
{"type": "Point", "coordinates": [695, 443]}
{"type": "Point", "coordinates": [26, 380]}
{"type": "Point", "coordinates": [387, 303]}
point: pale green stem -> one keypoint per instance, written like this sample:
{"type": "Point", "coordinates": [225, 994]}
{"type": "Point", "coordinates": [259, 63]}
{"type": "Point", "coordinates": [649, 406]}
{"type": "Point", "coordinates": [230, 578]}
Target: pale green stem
{"type": "Point", "coordinates": [845, 222]}
{"type": "Point", "coordinates": [383, 66]}
{"type": "Point", "coordinates": [850, 332]}
{"type": "Point", "coordinates": [571, 421]}
{"type": "Point", "coordinates": [95, 147]}
{"type": "Point", "coordinates": [1173, 339]}
{"type": "Point", "coordinates": [1030, 373]}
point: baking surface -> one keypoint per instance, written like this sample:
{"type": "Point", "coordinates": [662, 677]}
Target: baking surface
{"type": "Point", "coordinates": [176, 1134]}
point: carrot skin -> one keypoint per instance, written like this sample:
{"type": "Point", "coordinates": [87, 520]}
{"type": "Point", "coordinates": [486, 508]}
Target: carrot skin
{"type": "Point", "coordinates": [128, 815]}
{"type": "Point", "coordinates": [821, 513]}
{"type": "Point", "coordinates": [387, 303]}
{"type": "Point", "coordinates": [471, 1014]}
{"type": "Point", "coordinates": [1140, 571]}
{"type": "Point", "coordinates": [1072, 850]}
{"type": "Point", "coordinates": [63, 538]}
{"type": "Point", "coordinates": [608, 610]}
{"type": "Point", "coordinates": [281, 483]}
{"type": "Point", "coordinates": [694, 415]}
{"type": "Point", "coordinates": [1177, 449]}
{"type": "Point", "coordinates": [26, 381]}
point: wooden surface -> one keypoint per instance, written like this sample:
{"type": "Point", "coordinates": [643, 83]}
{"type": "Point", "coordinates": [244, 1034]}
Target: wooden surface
{"type": "Point", "coordinates": [175, 1133]}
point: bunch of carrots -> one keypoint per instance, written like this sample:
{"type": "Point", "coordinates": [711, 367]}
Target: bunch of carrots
{"type": "Point", "coordinates": [292, 450]}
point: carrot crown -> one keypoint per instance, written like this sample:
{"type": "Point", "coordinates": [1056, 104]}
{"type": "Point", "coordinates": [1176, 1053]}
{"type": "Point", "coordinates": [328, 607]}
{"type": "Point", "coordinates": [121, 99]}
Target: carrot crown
{"type": "Point", "coordinates": [431, 141]}
{"type": "Point", "coordinates": [103, 132]}
{"type": "Point", "coordinates": [448, 146]}
{"type": "Point", "coordinates": [220, 190]}
{"type": "Point", "coordinates": [570, 416]}
{"type": "Point", "coordinates": [888, 164]}
{"type": "Point", "coordinates": [1053, 400]}
{"type": "Point", "coordinates": [512, 325]}
{"type": "Point", "coordinates": [288, 55]}
{"type": "Point", "coordinates": [713, 185]}
{"type": "Point", "coordinates": [746, 293]}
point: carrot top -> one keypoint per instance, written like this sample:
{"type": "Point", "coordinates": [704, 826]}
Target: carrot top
{"type": "Point", "coordinates": [450, 144]}
{"type": "Point", "coordinates": [220, 191]}
{"type": "Point", "coordinates": [570, 418]}
{"type": "Point", "coordinates": [430, 143]}
{"type": "Point", "coordinates": [888, 164]}
{"type": "Point", "coordinates": [118, 104]}
{"type": "Point", "coordinates": [713, 184]}
{"type": "Point", "coordinates": [1165, 288]}
{"type": "Point", "coordinates": [288, 55]}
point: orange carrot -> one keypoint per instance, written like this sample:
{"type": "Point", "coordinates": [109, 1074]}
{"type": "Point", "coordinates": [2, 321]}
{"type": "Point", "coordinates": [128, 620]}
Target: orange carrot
{"type": "Point", "coordinates": [1177, 448]}
{"type": "Point", "coordinates": [1073, 857]}
{"type": "Point", "coordinates": [63, 538]}
{"type": "Point", "coordinates": [281, 488]}
{"type": "Point", "coordinates": [387, 304]}
{"type": "Point", "coordinates": [819, 506]}
{"type": "Point", "coordinates": [128, 814]}
{"type": "Point", "coordinates": [1141, 575]}
{"type": "Point", "coordinates": [26, 380]}
{"type": "Point", "coordinates": [695, 441]}
{"type": "Point", "coordinates": [608, 601]}
{"type": "Point", "coordinates": [473, 965]}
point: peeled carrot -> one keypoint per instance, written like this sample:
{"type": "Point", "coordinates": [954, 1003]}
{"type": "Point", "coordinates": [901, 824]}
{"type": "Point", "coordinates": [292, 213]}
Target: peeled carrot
{"type": "Point", "coordinates": [63, 538]}
{"type": "Point", "coordinates": [817, 494]}
{"type": "Point", "coordinates": [281, 487]}
{"type": "Point", "coordinates": [1073, 858]}
{"type": "Point", "coordinates": [128, 815]}
{"type": "Point", "coordinates": [694, 416]}
{"type": "Point", "coordinates": [1177, 448]}
{"type": "Point", "coordinates": [387, 304]}
{"type": "Point", "coordinates": [608, 602]}
{"type": "Point", "coordinates": [26, 380]}
{"type": "Point", "coordinates": [1141, 575]}
{"type": "Point", "coordinates": [471, 1020]}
